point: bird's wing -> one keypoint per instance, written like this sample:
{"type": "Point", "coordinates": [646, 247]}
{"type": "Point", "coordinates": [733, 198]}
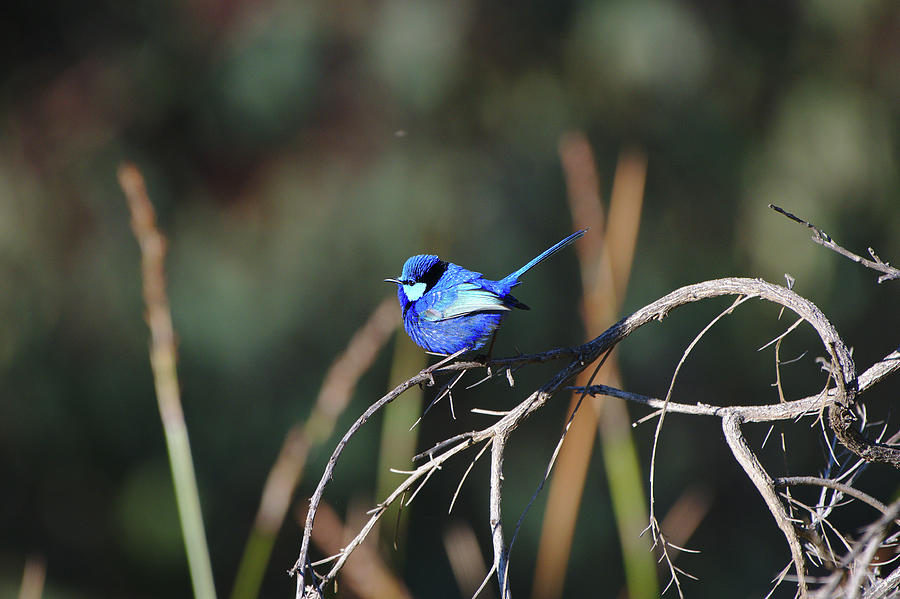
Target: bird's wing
{"type": "Point", "coordinates": [469, 298]}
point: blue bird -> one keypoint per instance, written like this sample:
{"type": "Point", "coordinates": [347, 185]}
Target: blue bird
{"type": "Point", "coordinates": [447, 308]}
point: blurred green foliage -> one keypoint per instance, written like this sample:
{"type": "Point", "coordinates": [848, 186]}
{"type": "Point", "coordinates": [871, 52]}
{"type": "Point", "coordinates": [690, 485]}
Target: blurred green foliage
{"type": "Point", "coordinates": [298, 152]}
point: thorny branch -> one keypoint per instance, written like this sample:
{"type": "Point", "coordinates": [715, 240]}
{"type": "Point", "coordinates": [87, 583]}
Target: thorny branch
{"type": "Point", "coordinates": [860, 557]}
{"type": "Point", "coordinates": [840, 399]}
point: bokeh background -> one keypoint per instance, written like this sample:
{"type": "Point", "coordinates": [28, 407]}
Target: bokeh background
{"type": "Point", "coordinates": [298, 152]}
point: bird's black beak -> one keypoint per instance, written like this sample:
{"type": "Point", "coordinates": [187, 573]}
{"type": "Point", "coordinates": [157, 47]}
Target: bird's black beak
{"type": "Point", "coordinates": [392, 281]}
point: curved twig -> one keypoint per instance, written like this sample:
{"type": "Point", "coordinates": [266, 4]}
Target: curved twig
{"type": "Point", "coordinates": [818, 481]}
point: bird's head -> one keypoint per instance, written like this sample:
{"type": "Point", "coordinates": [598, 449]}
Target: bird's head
{"type": "Point", "coordinates": [420, 274]}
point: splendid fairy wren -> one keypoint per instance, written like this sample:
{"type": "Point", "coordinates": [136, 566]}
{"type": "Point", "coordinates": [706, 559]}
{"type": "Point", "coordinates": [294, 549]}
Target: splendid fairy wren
{"type": "Point", "coordinates": [447, 308]}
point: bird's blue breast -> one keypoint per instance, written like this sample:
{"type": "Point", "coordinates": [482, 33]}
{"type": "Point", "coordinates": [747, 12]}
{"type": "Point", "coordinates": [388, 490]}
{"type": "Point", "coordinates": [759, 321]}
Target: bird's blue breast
{"type": "Point", "coordinates": [447, 336]}
{"type": "Point", "coordinates": [471, 331]}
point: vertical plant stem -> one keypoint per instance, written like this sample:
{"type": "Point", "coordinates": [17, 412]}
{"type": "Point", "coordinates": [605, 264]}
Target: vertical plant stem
{"type": "Point", "coordinates": [165, 377]}
{"type": "Point", "coordinates": [605, 258]}
{"type": "Point", "coordinates": [398, 443]}
{"type": "Point", "coordinates": [33, 578]}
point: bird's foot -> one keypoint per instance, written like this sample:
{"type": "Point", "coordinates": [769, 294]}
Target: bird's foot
{"type": "Point", "coordinates": [443, 362]}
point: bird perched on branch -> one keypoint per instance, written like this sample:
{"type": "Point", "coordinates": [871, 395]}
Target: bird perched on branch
{"type": "Point", "coordinates": [447, 308]}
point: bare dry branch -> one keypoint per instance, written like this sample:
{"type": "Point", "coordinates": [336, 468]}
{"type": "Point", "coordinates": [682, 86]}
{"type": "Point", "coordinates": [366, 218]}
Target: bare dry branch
{"type": "Point", "coordinates": [731, 426]}
{"type": "Point", "coordinates": [844, 392]}
{"type": "Point", "coordinates": [501, 556]}
{"type": "Point", "coordinates": [365, 573]}
{"type": "Point", "coordinates": [825, 240]}
{"type": "Point", "coordinates": [763, 413]}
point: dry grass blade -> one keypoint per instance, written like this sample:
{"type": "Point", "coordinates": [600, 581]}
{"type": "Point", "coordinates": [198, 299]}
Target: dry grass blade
{"type": "Point", "coordinates": [605, 259]}
{"type": "Point", "coordinates": [286, 472]}
{"type": "Point", "coordinates": [33, 578]}
{"type": "Point", "coordinates": [466, 560]}
{"type": "Point", "coordinates": [163, 358]}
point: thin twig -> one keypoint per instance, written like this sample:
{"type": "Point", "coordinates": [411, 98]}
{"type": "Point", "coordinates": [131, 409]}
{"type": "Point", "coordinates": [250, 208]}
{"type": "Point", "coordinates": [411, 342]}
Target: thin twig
{"type": "Point", "coordinates": [831, 484]}
{"type": "Point", "coordinates": [654, 524]}
{"type": "Point", "coordinates": [825, 240]}
{"type": "Point", "coordinates": [466, 475]}
{"type": "Point", "coordinates": [866, 547]}
{"type": "Point", "coordinates": [366, 574]}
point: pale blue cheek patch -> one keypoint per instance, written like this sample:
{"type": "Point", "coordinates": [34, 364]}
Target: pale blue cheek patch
{"type": "Point", "coordinates": [415, 291]}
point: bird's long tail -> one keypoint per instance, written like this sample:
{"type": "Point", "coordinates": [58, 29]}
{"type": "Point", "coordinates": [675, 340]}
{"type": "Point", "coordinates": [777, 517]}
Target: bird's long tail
{"type": "Point", "coordinates": [513, 278]}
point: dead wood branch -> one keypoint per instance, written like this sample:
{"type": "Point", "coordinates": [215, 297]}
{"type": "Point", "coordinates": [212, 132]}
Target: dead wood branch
{"type": "Point", "coordinates": [825, 240]}
{"type": "Point", "coordinates": [840, 398]}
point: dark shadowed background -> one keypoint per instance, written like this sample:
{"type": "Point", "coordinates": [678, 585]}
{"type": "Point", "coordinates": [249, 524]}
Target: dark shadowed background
{"type": "Point", "coordinates": [298, 152]}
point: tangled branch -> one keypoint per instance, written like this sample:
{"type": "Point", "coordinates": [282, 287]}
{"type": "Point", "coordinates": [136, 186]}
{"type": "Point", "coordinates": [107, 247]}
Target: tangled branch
{"type": "Point", "coordinates": [840, 398]}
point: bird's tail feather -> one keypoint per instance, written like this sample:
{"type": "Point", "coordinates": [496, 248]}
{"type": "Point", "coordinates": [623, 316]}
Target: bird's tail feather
{"type": "Point", "coordinates": [513, 278]}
